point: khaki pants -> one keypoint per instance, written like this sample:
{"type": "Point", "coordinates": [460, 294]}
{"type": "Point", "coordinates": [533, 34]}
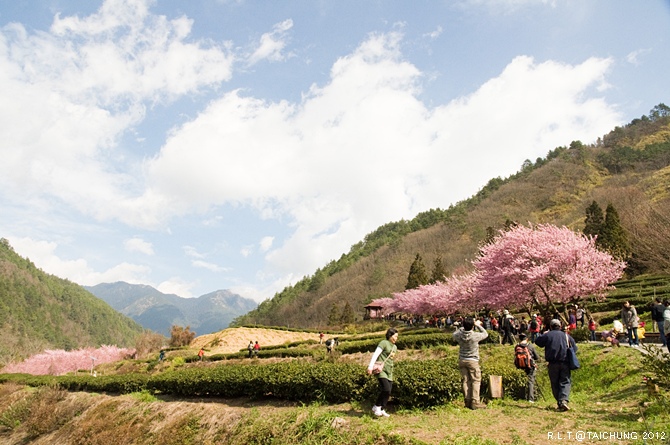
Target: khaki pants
{"type": "Point", "coordinates": [471, 377]}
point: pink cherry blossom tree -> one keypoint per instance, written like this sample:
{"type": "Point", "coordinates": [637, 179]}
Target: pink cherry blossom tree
{"type": "Point", "coordinates": [58, 362]}
{"type": "Point", "coordinates": [455, 294]}
{"type": "Point", "coordinates": [541, 266]}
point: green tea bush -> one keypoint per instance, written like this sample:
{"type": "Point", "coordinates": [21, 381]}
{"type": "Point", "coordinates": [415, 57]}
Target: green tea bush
{"type": "Point", "coordinates": [580, 334]}
{"type": "Point", "coordinates": [426, 383]}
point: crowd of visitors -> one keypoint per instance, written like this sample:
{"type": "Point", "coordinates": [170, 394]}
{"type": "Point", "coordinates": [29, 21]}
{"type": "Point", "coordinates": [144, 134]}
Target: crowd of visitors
{"type": "Point", "coordinates": [551, 333]}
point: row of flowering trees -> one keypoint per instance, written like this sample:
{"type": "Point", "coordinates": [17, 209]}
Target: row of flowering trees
{"type": "Point", "coordinates": [58, 362]}
{"type": "Point", "coordinates": [523, 267]}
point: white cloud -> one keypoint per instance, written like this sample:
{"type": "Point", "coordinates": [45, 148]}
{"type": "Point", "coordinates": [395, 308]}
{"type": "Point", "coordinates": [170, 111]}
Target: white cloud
{"type": "Point", "coordinates": [209, 266]}
{"type": "Point", "coordinates": [193, 252]}
{"type": "Point", "coordinates": [363, 150]}
{"type": "Point", "coordinates": [358, 151]}
{"type": "Point", "coordinates": [177, 286]}
{"type": "Point", "coordinates": [266, 243]}
{"type": "Point", "coordinates": [69, 95]}
{"type": "Point", "coordinates": [635, 56]}
{"type": "Point", "coordinates": [272, 44]}
{"type": "Point", "coordinates": [435, 34]}
{"type": "Point", "coordinates": [138, 245]}
{"type": "Point", "coordinates": [43, 254]}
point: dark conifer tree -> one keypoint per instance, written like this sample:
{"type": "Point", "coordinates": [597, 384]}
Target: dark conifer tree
{"type": "Point", "coordinates": [334, 316]}
{"type": "Point", "coordinates": [594, 221]}
{"type": "Point", "coordinates": [439, 272]}
{"type": "Point", "coordinates": [417, 274]}
{"type": "Point", "coordinates": [613, 236]}
{"type": "Point", "coordinates": [347, 314]}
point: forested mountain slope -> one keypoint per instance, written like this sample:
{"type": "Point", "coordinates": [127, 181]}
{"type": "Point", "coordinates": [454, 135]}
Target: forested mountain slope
{"type": "Point", "coordinates": [41, 311]}
{"type": "Point", "coordinates": [628, 168]}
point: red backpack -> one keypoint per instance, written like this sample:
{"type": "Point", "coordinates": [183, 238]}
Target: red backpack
{"type": "Point", "coordinates": [522, 359]}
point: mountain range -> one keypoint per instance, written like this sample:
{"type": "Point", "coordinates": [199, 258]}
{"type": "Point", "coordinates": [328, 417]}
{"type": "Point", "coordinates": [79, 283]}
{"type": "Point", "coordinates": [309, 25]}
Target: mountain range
{"type": "Point", "coordinates": [158, 312]}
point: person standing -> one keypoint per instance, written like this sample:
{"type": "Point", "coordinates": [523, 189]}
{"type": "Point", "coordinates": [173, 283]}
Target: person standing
{"type": "Point", "coordinates": [507, 327]}
{"type": "Point", "coordinates": [250, 348]}
{"type": "Point", "coordinates": [556, 343]}
{"type": "Point", "coordinates": [580, 313]}
{"type": "Point", "coordinates": [201, 353]}
{"type": "Point", "coordinates": [630, 320]}
{"type": "Point", "coordinates": [657, 311]}
{"type": "Point", "coordinates": [533, 328]}
{"type": "Point", "coordinates": [530, 367]}
{"type": "Point", "coordinates": [384, 353]}
{"type": "Point", "coordinates": [257, 348]}
{"type": "Point", "coordinates": [468, 337]}
{"type": "Point", "coordinates": [592, 329]}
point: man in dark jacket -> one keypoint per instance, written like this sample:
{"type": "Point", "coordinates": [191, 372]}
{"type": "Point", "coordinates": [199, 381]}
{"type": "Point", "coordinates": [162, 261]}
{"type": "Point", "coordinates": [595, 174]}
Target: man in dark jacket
{"type": "Point", "coordinates": [657, 310]}
{"type": "Point", "coordinates": [555, 344]}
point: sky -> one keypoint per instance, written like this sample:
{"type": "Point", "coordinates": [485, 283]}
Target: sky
{"type": "Point", "coordinates": [231, 144]}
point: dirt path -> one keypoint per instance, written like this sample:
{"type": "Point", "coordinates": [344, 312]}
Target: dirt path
{"type": "Point", "coordinates": [235, 339]}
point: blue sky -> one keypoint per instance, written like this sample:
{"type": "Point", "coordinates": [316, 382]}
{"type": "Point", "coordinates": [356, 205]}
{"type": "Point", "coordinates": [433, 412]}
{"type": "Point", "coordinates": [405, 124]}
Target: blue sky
{"type": "Point", "coordinates": [218, 144]}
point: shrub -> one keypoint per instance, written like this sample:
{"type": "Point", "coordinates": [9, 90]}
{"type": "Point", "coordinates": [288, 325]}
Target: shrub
{"type": "Point", "coordinates": [657, 363]}
{"type": "Point", "coordinates": [580, 334]}
{"type": "Point", "coordinates": [181, 336]}
{"type": "Point", "coordinates": [426, 383]}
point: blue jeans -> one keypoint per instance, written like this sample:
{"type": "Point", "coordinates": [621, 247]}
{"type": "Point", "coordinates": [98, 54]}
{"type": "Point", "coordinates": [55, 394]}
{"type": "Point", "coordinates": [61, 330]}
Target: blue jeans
{"type": "Point", "coordinates": [561, 382]}
{"type": "Point", "coordinates": [661, 332]}
{"type": "Point", "coordinates": [632, 337]}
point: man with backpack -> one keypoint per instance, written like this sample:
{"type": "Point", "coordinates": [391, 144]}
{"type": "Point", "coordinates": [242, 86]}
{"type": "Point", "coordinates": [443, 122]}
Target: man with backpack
{"type": "Point", "coordinates": [526, 358]}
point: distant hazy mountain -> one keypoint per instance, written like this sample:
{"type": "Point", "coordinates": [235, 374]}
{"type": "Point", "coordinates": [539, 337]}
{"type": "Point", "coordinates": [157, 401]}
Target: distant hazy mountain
{"type": "Point", "coordinates": [159, 312]}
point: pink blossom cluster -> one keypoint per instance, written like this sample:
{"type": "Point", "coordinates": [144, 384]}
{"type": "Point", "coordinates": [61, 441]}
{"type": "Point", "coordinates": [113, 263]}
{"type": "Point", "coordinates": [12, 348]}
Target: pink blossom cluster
{"type": "Point", "coordinates": [58, 362]}
{"type": "Point", "coordinates": [523, 266]}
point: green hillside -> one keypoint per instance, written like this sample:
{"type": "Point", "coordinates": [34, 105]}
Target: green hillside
{"type": "Point", "coordinates": [41, 311]}
{"type": "Point", "coordinates": [628, 168]}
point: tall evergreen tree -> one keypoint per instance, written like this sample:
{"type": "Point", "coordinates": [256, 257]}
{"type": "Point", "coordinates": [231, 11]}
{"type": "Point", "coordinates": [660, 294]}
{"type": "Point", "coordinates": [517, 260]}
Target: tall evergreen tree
{"type": "Point", "coordinates": [439, 272]}
{"type": "Point", "coordinates": [594, 221]}
{"type": "Point", "coordinates": [347, 314]}
{"type": "Point", "coordinates": [613, 235]}
{"type": "Point", "coordinates": [417, 274]}
{"type": "Point", "coordinates": [334, 316]}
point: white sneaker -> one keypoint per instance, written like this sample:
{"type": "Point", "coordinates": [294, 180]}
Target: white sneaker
{"type": "Point", "coordinates": [384, 413]}
{"type": "Point", "coordinates": [377, 410]}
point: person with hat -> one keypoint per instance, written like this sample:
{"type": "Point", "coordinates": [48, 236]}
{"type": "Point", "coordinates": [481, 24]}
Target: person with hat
{"type": "Point", "coordinates": [507, 328]}
{"type": "Point", "coordinates": [556, 343]}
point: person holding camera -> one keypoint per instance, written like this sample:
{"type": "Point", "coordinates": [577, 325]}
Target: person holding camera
{"type": "Point", "coordinates": [468, 337]}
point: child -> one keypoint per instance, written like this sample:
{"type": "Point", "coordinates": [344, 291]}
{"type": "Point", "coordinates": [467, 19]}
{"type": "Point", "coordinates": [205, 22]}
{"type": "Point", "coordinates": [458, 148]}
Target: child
{"type": "Point", "coordinates": [611, 337]}
{"type": "Point", "coordinates": [592, 329]}
{"type": "Point", "coordinates": [641, 331]}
